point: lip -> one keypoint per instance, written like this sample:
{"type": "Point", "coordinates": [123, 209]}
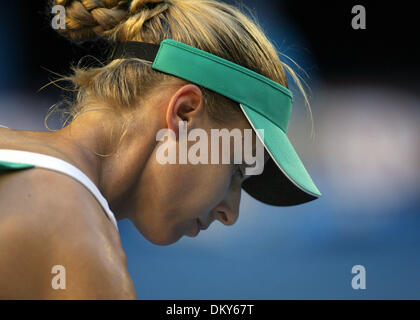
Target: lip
{"type": "Point", "coordinates": [201, 226]}
{"type": "Point", "coordinates": [197, 230]}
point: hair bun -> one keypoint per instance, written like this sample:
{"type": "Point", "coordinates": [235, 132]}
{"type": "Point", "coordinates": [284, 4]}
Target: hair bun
{"type": "Point", "coordinates": [137, 5]}
{"type": "Point", "coordinates": [87, 19]}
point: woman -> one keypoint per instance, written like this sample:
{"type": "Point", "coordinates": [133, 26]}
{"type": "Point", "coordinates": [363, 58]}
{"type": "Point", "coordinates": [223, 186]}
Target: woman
{"type": "Point", "coordinates": [199, 63]}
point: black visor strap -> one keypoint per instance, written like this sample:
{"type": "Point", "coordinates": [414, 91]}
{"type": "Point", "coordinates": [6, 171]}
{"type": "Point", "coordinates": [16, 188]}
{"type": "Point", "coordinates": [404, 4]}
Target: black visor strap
{"type": "Point", "coordinates": [135, 49]}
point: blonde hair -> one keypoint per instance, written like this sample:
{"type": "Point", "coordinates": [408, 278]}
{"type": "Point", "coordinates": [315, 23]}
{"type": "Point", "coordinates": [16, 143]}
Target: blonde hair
{"type": "Point", "coordinates": [209, 25]}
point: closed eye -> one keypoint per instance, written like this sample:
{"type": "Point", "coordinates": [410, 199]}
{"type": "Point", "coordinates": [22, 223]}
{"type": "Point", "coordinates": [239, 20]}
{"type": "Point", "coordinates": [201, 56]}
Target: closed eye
{"type": "Point", "coordinates": [239, 172]}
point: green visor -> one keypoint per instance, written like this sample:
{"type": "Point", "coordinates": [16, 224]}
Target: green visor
{"type": "Point", "coordinates": [266, 104]}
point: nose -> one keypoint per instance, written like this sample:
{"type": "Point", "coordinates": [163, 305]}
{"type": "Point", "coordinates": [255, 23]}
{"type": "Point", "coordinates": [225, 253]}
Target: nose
{"type": "Point", "coordinates": [226, 217]}
{"type": "Point", "coordinates": [227, 212]}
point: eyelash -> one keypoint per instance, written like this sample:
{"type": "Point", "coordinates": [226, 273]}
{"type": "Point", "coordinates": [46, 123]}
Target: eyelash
{"type": "Point", "coordinates": [240, 173]}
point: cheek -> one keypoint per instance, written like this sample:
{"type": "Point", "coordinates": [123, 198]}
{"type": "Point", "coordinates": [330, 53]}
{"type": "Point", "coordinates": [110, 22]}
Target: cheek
{"type": "Point", "coordinates": [185, 193]}
{"type": "Point", "coordinates": [221, 182]}
{"type": "Point", "coordinates": [196, 189]}
{"type": "Point", "coordinates": [211, 187]}
{"type": "Point", "coordinates": [208, 190]}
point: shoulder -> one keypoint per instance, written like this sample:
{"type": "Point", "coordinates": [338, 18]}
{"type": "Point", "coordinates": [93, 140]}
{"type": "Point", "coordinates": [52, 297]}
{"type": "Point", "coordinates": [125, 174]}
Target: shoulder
{"type": "Point", "coordinates": [49, 219]}
{"type": "Point", "coordinates": [46, 198]}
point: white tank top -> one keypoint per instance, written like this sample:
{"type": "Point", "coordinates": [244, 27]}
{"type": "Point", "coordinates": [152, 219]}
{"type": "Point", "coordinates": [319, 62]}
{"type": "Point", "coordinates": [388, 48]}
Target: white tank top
{"type": "Point", "coordinates": [14, 158]}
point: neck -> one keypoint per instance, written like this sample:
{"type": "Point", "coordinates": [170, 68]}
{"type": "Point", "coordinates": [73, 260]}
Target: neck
{"type": "Point", "coordinates": [92, 142]}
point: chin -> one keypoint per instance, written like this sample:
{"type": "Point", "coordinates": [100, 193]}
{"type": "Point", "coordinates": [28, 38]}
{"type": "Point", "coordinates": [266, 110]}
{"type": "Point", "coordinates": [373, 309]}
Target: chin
{"type": "Point", "coordinates": [157, 235]}
{"type": "Point", "coordinates": [161, 239]}
{"type": "Point", "coordinates": [163, 242]}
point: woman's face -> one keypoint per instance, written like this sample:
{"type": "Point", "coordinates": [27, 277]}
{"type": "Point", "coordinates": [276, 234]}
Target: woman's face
{"type": "Point", "coordinates": [177, 198]}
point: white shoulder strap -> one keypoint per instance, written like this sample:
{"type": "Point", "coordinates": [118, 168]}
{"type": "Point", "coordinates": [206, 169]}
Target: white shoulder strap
{"type": "Point", "coordinates": [52, 163]}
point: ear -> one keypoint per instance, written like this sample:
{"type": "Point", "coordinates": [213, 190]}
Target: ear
{"type": "Point", "coordinates": [187, 104]}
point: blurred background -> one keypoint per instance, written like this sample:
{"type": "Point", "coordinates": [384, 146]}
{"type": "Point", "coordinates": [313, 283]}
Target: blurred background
{"type": "Point", "coordinates": [363, 155]}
